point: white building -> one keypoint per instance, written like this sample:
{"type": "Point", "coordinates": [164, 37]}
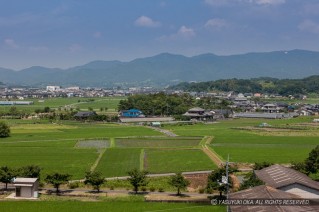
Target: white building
{"type": "Point", "coordinates": [53, 88]}
{"type": "Point", "coordinates": [26, 187]}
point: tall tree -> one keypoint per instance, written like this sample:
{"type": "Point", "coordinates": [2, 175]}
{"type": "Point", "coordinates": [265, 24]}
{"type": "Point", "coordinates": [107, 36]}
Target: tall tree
{"type": "Point", "coordinates": [214, 181]}
{"type": "Point", "coordinates": [95, 179]}
{"type": "Point", "coordinates": [179, 181]}
{"type": "Point", "coordinates": [57, 179]}
{"type": "Point", "coordinates": [312, 162]}
{"type": "Point", "coordinates": [137, 178]}
{"type": "Point", "coordinates": [32, 171]}
{"type": "Point", "coordinates": [4, 130]}
{"type": "Point", "coordinates": [6, 175]}
{"type": "Point", "coordinates": [251, 180]}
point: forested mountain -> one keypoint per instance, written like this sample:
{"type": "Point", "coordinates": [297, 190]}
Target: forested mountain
{"type": "Point", "coordinates": [167, 69]}
{"type": "Point", "coordinates": [263, 85]}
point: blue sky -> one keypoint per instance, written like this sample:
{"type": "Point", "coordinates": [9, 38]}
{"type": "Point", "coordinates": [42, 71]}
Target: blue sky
{"type": "Point", "coordinates": [66, 33]}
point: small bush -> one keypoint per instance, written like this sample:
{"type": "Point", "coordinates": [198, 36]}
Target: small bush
{"type": "Point", "coordinates": [111, 187]}
{"type": "Point", "coordinates": [161, 190]}
{"type": "Point", "coordinates": [209, 191]}
{"type": "Point", "coordinates": [201, 190]}
{"type": "Point", "coordinates": [74, 185]}
{"type": "Point", "coordinates": [152, 189]}
{"type": "Point", "coordinates": [143, 189]}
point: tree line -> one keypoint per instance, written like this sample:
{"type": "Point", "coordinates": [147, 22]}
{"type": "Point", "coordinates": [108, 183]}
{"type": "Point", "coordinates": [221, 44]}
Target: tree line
{"type": "Point", "coordinates": [161, 104]}
{"type": "Point", "coordinates": [255, 85]}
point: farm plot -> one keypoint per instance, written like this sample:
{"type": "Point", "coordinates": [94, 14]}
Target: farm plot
{"type": "Point", "coordinates": [50, 156]}
{"type": "Point", "coordinates": [96, 144]}
{"type": "Point", "coordinates": [117, 162]}
{"type": "Point", "coordinates": [269, 153]}
{"type": "Point", "coordinates": [158, 142]}
{"type": "Point", "coordinates": [68, 130]}
{"type": "Point", "coordinates": [176, 160]}
{"type": "Point", "coordinates": [249, 146]}
{"type": "Point", "coordinates": [112, 204]}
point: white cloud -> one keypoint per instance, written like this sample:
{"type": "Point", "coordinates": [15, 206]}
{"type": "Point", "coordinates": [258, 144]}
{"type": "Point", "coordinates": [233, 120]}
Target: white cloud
{"type": "Point", "coordinates": [217, 2]}
{"type": "Point", "coordinates": [309, 26]}
{"type": "Point", "coordinates": [183, 33]}
{"type": "Point", "coordinates": [186, 33]}
{"type": "Point", "coordinates": [216, 24]}
{"type": "Point", "coordinates": [232, 2]}
{"type": "Point", "coordinates": [145, 21]}
{"type": "Point", "coordinates": [11, 43]}
{"type": "Point", "coordinates": [269, 2]}
{"type": "Point", "coordinates": [75, 48]}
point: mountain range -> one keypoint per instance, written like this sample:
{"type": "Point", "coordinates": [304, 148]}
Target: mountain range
{"type": "Point", "coordinates": [167, 69]}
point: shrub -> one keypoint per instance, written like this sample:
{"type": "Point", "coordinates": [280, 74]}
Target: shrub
{"type": "Point", "coordinates": [152, 189]}
{"type": "Point", "coordinates": [161, 190]}
{"type": "Point", "coordinates": [74, 185]}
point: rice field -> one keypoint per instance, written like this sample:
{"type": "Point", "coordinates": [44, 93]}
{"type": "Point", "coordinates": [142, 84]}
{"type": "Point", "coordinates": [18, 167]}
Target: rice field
{"type": "Point", "coordinates": [249, 146]}
{"type": "Point", "coordinates": [158, 142]}
{"type": "Point", "coordinates": [176, 160]}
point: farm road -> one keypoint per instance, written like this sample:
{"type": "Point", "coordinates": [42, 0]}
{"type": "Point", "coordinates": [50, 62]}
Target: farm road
{"type": "Point", "coordinates": [212, 155]}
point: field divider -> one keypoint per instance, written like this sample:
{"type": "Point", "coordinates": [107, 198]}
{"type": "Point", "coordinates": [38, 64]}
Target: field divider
{"type": "Point", "coordinates": [142, 155]}
{"type": "Point", "coordinates": [112, 142]}
{"type": "Point", "coordinates": [93, 167]}
{"type": "Point", "coordinates": [209, 152]}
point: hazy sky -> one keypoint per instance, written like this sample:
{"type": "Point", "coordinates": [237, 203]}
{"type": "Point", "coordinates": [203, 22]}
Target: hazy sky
{"type": "Point", "coordinates": [65, 33]}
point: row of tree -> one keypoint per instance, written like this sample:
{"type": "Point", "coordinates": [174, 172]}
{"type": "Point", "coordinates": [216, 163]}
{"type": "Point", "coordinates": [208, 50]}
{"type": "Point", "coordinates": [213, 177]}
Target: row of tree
{"type": "Point", "coordinates": [161, 104]}
{"type": "Point", "coordinates": [7, 174]}
{"type": "Point", "coordinates": [93, 178]}
{"type": "Point", "coordinates": [256, 85]}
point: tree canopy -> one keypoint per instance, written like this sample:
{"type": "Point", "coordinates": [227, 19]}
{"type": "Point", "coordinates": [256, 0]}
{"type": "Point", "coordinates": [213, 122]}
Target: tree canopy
{"type": "Point", "coordinates": [256, 85]}
{"type": "Point", "coordinates": [137, 178]}
{"type": "Point", "coordinates": [57, 179]}
{"type": "Point", "coordinates": [95, 179]}
{"type": "Point", "coordinates": [4, 130]}
{"type": "Point", "coordinates": [179, 182]}
{"type": "Point", "coordinates": [6, 175]}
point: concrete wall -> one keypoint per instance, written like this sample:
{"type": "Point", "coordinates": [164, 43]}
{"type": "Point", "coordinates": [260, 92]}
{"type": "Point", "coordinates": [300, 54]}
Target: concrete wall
{"type": "Point", "coordinates": [302, 191]}
{"type": "Point", "coordinates": [26, 192]}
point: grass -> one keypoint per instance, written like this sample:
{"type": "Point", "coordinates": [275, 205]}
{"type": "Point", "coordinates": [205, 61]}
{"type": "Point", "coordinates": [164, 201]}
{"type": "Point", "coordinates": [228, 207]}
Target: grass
{"type": "Point", "coordinates": [273, 154]}
{"type": "Point", "coordinates": [50, 156]}
{"type": "Point", "coordinates": [73, 130]}
{"type": "Point", "coordinates": [251, 146]}
{"type": "Point", "coordinates": [176, 160]}
{"type": "Point", "coordinates": [117, 162]}
{"type": "Point", "coordinates": [158, 142]}
{"type": "Point", "coordinates": [114, 205]}
{"type": "Point", "coordinates": [83, 103]}
{"type": "Point", "coordinates": [53, 146]}
{"type": "Point", "coordinates": [153, 182]}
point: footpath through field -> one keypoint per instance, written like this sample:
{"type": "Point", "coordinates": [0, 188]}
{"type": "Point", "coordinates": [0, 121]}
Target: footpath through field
{"type": "Point", "coordinates": [212, 155]}
{"type": "Point", "coordinates": [167, 132]}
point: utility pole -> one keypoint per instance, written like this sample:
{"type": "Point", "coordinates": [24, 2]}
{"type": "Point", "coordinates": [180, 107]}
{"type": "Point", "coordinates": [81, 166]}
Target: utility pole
{"type": "Point", "coordinates": [227, 185]}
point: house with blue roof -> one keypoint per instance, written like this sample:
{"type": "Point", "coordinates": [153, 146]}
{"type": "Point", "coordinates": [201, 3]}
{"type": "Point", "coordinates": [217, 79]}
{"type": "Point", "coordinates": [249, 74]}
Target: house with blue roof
{"type": "Point", "coordinates": [131, 113]}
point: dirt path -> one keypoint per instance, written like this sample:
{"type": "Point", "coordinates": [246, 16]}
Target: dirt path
{"type": "Point", "coordinates": [102, 151]}
{"type": "Point", "coordinates": [211, 154]}
{"type": "Point", "coordinates": [167, 132]}
{"type": "Point", "coordinates": [236, 183]}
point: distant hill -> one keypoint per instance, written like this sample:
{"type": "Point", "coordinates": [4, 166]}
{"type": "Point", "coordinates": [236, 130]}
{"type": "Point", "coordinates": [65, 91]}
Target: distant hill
{"type": "Point", "coordinates": [167, 69]}
{"type": "Point", "coordinates": [256, 85]}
